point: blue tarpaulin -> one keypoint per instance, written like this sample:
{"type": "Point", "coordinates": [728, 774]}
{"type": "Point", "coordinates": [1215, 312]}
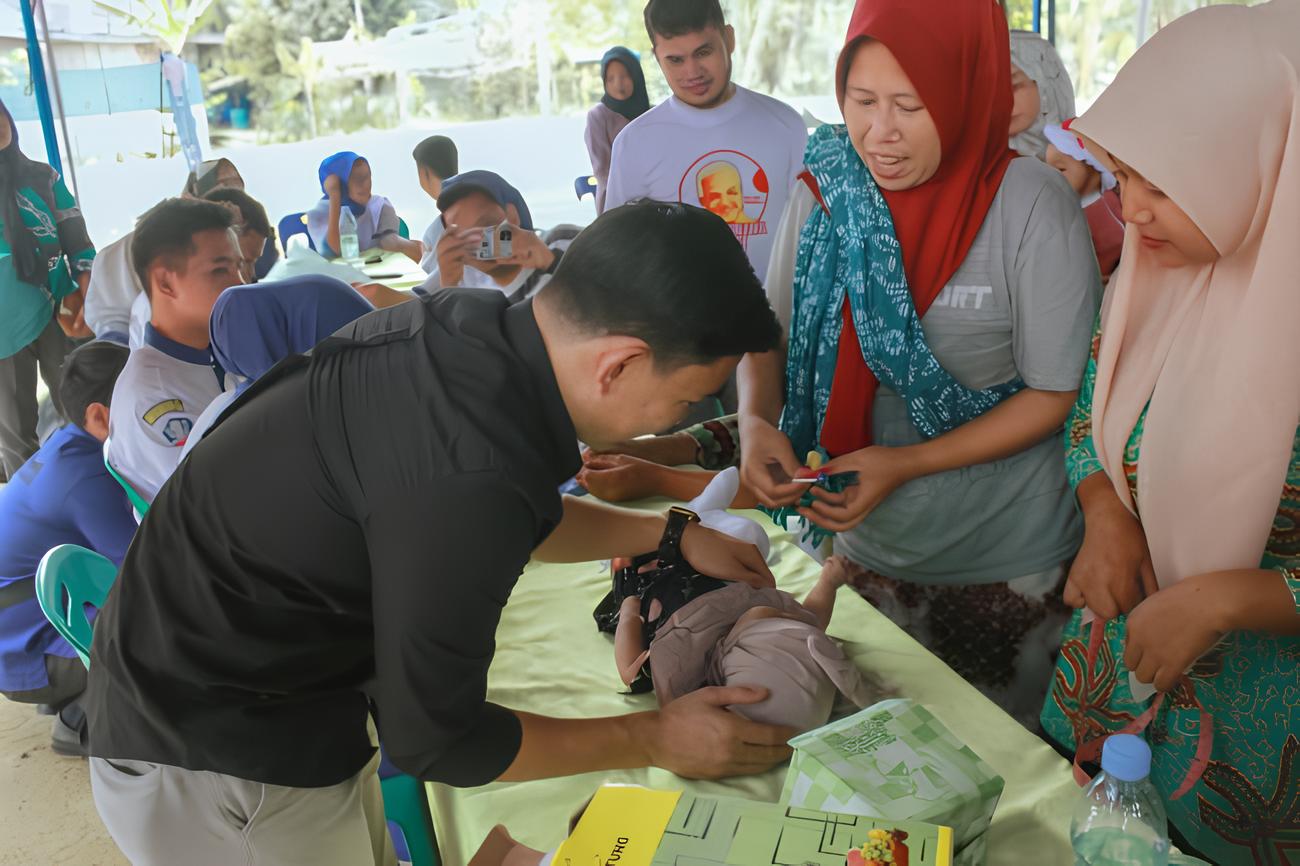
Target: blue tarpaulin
{"type": "Point", "coordinates": [104, 91]}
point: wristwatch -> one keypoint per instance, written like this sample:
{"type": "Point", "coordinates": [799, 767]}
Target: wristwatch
{"type": "Point", "coordinates": [670, 544]}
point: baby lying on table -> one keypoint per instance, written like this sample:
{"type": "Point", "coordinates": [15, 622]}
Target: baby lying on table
{"type": "Point", "coordinates": [680, 631]}
{"type": "Point", "coordinates": [737, 635]}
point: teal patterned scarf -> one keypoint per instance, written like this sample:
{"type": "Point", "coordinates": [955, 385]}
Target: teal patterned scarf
{"type": "Point", "coordinates": [853, 251]}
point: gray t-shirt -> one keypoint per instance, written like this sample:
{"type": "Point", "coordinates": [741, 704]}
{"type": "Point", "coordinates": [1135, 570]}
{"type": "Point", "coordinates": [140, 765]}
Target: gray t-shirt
{"type": "Point", "coordinates": [1021, 304]}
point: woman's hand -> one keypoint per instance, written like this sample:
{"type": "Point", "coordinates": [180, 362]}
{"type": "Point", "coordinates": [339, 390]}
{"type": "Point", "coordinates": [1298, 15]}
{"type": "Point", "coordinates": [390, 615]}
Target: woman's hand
{"type": "Point", "coordinates": [721, 556]}
{"type": "Point", "coordinates": [764, 450]}
{"type": "Point", "coordinates": [333, 186]}
{"type": "Point", "coordinates": [620, 478]}
{"type": "Point", "coordinates": [880, 470]}
{"type": "Point", "coordinates": [1113, 571]}
{"type": "Point", "coordinates": [1173, 628]}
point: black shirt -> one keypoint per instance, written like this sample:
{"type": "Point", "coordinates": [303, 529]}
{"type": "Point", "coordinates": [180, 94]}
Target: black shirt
{"type": "Point", "coordinates": [347, 534]}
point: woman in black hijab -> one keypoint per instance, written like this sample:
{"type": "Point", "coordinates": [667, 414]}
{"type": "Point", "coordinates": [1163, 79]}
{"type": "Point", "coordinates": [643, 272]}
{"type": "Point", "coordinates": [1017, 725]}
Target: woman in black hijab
{"type": "Point", "coordinates": [625, 100]}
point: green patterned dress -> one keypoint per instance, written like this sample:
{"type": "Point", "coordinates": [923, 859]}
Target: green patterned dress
{"type": "Point", "coordinates": [1246, 806]}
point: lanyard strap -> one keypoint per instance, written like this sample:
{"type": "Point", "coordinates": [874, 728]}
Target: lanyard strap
{"type": "Point", "coordinates": [1090, 751]}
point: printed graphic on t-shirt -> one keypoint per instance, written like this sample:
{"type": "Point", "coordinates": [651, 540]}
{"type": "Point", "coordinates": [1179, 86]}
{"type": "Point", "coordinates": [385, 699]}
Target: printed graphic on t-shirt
{"type": "Point", "coordinates": [731, 185]}
{"type": "Point", "coordinates": [963, 297]}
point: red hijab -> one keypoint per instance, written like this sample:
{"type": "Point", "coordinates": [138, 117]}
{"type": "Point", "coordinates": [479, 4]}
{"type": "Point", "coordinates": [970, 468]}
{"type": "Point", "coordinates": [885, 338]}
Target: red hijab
{"type": "Point", "coordinates": [957, 53]}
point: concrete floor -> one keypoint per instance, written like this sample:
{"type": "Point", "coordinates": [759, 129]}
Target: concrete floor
{"type": "Point", "coordinates": [47, 817]}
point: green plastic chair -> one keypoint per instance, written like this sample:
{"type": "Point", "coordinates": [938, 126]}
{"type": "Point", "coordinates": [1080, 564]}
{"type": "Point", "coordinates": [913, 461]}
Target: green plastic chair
{"type": "Point", "coordinates": [69, 578]}
{"type": "Point", "coordinates": [137, 501]}
{"type": "Point", "coordinates": [406, 804]}
{"type": "Point", "coordinates": [403, 230]}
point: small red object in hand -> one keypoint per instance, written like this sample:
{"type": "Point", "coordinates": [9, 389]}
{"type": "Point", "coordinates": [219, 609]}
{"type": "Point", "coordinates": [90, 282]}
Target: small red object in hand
{"type": "Point", "coordinates": [855, 858]}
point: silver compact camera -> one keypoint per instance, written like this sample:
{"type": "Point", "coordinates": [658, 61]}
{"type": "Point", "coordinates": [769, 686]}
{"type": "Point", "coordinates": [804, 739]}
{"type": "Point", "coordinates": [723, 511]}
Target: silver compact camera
{"type": "Point", "coordinates": [497, 242]}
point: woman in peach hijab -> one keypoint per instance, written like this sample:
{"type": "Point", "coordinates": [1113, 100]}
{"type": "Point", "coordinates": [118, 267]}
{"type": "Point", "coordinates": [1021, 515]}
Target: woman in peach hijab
{"type": "Point", "coordinates": [1184, 447]}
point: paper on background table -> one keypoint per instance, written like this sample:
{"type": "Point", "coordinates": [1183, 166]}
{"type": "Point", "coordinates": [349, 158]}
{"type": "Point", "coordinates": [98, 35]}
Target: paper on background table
{"type": "Point", "coordinates": [550, 659]}
{"type": "Point", "coordinates": [301, 260]}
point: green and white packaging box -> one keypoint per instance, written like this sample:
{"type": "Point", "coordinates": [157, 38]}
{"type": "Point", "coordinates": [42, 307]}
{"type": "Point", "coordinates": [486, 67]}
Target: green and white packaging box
{"type": "Point", "coordinates": [895, 760]}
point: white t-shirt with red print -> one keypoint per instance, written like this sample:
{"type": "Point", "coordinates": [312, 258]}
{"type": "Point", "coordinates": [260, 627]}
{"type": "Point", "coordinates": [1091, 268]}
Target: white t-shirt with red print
{"type": "Point", "coordinates": [738, 160]}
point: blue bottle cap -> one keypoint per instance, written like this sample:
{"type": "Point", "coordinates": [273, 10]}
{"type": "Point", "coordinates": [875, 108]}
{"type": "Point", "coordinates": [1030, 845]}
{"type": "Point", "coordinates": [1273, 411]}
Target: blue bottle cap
{"type": "Point", "coordinates": [1126, 757]}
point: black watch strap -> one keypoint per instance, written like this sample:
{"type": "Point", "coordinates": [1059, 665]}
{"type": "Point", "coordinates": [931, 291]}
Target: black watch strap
{"type": "Point", "coordinates": [671, 543]}
{"type": "Point", "coordinates": [555, 263]}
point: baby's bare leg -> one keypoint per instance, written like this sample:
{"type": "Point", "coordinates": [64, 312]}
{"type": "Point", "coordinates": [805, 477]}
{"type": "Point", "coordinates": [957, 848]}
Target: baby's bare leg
{"type": "Point", "coordinates": [821, 599]}
{"type": "Point", "coordinates": [629, 640]}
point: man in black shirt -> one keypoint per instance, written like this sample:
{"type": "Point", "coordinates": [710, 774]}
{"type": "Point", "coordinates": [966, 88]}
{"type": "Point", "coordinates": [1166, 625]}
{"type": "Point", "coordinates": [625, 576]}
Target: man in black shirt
{"type": "Point", "coordinates": [342, 543]}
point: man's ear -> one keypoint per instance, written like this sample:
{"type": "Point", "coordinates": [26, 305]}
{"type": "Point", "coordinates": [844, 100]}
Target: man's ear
{"type": "Point", "coordinates": [95, 421]}
{"type": "Point", "coordinates": [162, 280]}
{"type": "Point", "coordinates": [615, 358]}
{"type": "Point", "coordinates": [729, 38]}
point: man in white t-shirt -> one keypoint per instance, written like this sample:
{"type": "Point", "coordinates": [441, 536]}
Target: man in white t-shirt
{"type": "Point", "coordinates": [187, 254]}
{"type": "Point", "coordinates": [712, 143]}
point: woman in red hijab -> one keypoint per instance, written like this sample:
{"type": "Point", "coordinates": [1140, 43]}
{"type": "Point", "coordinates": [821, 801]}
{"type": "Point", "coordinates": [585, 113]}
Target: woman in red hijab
{"type": "Point", "coordinates": [940, 295]}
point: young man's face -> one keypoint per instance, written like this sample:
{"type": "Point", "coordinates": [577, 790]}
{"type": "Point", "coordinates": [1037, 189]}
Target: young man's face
{"type": "Point", "coordinates": [697, 66]}
{"type": "Point", "coordinates": [641, 398]}
{"type": "Point", "coordinates": [430, 182]}
{"type": "Point", "coordinates": [193, 286]}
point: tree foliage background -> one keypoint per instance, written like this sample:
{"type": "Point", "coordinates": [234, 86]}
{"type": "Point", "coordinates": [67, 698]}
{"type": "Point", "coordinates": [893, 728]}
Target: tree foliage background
{"type": "Point", "coordinates": [784, 47]}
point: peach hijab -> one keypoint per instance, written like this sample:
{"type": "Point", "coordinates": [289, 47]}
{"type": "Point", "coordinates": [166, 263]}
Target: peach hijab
{"type": "Point", "coordinates": [1209, 112]}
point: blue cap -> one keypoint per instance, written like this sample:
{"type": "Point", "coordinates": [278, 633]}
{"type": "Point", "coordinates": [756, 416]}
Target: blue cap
{"type": "Point", "coordinates": [1126, 757]}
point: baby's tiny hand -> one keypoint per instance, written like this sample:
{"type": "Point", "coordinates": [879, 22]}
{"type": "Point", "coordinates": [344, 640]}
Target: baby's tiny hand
{"type": "Point", "coordinates": [839, 570]}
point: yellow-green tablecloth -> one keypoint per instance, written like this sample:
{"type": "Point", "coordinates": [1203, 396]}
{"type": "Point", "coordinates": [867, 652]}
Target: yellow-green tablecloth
{"type": "Point", "coordinates": [550, 659]}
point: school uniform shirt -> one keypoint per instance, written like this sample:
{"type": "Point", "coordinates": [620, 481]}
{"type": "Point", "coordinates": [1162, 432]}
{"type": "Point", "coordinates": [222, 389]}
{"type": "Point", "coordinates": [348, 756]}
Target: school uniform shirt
{"type": "Point", "coordinates": [61, 495]}
{"type": "Point", "coordinates": [378, 221]}
{"type": "Point", "coordinates": [141, 313]}
{"type": "Point", "coordinates": [113, 289]}
{"type": "Point", "coordinates": [1022, 304]}
{"type": "Point", "coordinates": [161, 391]}
{"type": "Point", "coordinates": [348, 534]}
{"type": "Point", "coordinates": [429, 261]}
{"type": "Point", "coordinates": [738, 160]}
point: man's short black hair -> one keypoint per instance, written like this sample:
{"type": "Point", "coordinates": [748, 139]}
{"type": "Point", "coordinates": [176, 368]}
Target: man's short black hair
{"type": "Point", "coordinates": [168, 228]}
{"type": "Point", "coordinates": [438, 154]}
{"type": "Point", "coordinates": [670, 274]}
{"type": "Point", "coordinates": [670, 18]}
{"type": "Point", "coordinates": [251, 213]}
{"type": "Point", "coordinates": [88, 375]}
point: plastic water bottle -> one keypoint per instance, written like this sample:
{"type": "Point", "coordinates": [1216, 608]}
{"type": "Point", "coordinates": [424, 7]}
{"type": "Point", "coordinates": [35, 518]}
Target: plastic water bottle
{"type": "Point", "coordinates": [349, 246]}
{"type": "Point", "coordinates": [1121, 820]}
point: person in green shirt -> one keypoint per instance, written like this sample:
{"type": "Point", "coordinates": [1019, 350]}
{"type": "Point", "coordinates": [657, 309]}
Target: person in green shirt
{"type": "Point", "coordinates": [45, 257]}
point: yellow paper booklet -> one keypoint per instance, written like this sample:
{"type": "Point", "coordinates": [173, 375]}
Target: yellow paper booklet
{"type": "Point", "coordinates": [627, 826]}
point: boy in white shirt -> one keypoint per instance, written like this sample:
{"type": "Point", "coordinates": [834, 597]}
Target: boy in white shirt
{"type": "Point", "coordinates": [186, 254]}
{"type": "Point", "coordinates": [436, 160]}
{"type": "Point", "coordinates": [712, 143]}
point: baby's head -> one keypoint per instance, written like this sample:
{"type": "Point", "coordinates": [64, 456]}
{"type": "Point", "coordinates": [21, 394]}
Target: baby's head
{"type": "Point", "coordinates": [1082, 170]}
{"type": "Point", "coordinates": [801, 667]}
